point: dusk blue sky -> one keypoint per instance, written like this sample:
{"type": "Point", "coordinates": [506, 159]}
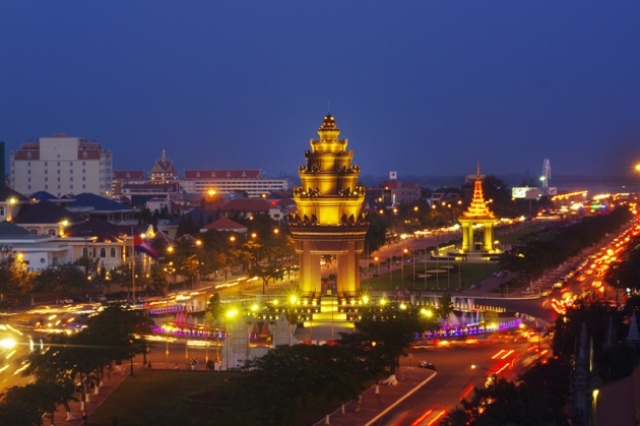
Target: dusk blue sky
{"type": "Point", "coordinates": [420, 87]}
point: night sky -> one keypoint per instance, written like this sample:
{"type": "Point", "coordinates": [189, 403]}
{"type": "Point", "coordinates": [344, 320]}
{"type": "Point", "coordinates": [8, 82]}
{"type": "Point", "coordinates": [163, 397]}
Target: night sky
{"type": "Point", "coordinates": [420, 87]}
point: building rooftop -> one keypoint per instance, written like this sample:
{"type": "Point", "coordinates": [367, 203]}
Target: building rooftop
{"type": "Point", "coordinates": [226, 224]}
{"type": "Point", "coordinates": [6, 193]}
{"type": "Point", "coordinates": [98, 203]}
{"type": "Point", "coordinates": [222, 174]}
{"type": "Point", "coordinates": [98, 230]}
{"type": "Point", "coordinates": [246, 205]}
{"type": "Point", "coordinates": [45, 212]}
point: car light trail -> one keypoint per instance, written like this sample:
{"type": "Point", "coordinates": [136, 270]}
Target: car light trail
{"type": "Point", "coordinates": [436, 418]}
{"type": "Point", "coordinates": [508, 354]}
{"type": "Point", "coordinates": [498, 354]}
{"type": "Point", "coordinates": [422, 417]}
{"type": "Point", "coordinates": [466, 391]}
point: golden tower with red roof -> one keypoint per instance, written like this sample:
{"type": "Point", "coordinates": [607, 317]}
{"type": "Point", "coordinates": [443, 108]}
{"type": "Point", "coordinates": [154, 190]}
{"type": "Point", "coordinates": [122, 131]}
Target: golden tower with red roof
{"type": "Point", "coordinates": [477, 213]}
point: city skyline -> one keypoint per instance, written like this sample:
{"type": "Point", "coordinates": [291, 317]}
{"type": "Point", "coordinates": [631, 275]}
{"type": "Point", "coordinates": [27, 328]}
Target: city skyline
{"type": "Point", "coordinates": [422, 89]}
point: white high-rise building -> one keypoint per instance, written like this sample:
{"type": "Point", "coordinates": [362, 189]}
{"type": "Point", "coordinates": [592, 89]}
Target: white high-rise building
{"type": "Point", "coordinates": [61, 165]}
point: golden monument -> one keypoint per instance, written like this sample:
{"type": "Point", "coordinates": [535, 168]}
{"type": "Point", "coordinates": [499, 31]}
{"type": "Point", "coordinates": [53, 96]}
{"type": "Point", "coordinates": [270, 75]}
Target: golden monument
{"type": "Point", "coordinates": [328, 219]}
{"type": "Point", "coordinates": [477, 213]}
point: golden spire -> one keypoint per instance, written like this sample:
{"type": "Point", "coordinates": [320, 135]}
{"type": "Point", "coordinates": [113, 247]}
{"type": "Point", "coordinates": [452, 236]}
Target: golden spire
{"type": "Point", "coordinates": [478, 208]}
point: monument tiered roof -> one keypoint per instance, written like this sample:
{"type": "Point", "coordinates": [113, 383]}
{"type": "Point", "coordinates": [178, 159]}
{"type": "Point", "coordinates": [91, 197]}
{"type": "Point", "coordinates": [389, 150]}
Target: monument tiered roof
{"type": "Point", "coordinates": [478, 208]}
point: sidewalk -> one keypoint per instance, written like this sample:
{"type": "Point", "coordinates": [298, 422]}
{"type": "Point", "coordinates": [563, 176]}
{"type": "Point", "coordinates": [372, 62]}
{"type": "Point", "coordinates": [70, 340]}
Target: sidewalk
{"type": "Point", "coordinates": [373, 406]}
{"type": "Point", "coordinates": [109, 385]}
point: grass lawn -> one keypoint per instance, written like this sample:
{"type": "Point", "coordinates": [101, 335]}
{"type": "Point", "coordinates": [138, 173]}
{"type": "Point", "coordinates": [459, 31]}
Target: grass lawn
{"type": "Point", "coordinates": [437, 277]}
{"type": "Point", "coordinates": [156, 398]}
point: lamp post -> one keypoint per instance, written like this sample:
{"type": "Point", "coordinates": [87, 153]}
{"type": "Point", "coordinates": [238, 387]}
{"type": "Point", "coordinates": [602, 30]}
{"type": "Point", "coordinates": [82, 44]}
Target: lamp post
{"type": "Point", "coordinates": [494, 375]}
{"type": "Point", "coordinates": [405, 251]}
{"type": "Point", "coordinates": [377, 260]}
{"type": "Point", "coordinates": [228, 316]}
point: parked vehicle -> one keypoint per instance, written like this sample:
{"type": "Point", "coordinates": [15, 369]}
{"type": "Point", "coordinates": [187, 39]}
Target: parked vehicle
{"type": "Point", "coordinates": [426, 364]}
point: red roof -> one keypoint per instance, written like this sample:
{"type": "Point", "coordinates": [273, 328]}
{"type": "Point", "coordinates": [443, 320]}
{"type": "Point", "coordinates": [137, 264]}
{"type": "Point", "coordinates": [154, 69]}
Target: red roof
{"type": "Point", "coordinates": [225, 224]}
{"type": "Point", "coordinates": [129, 174]}
{"type": "Point", "coordinates": [246, 205]}
{"type": "Point", "coordinates": [222, 174]}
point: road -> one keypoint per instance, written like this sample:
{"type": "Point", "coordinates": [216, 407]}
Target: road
{"type": "Point", "coordinates": [13, 357]}
{"type": "Point", "coordinates": [456, 379]}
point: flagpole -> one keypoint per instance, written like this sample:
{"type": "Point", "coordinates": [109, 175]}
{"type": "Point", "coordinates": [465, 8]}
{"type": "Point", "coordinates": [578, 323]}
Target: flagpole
{"type": "Point", "coordinates": [133, 265]}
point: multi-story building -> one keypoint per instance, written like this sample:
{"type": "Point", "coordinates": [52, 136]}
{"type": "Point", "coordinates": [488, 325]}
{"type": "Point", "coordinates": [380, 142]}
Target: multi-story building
{"type": "Point", "coordinates": [225, 182]}
{"type": "Point", "coordinates": [400, 193]}
{"type": "Point", "coordinates": [61, 165]}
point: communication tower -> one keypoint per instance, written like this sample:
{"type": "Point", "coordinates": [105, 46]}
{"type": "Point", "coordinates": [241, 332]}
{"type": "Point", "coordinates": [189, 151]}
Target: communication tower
{"type": "Point", "coordinates": [546, 173]}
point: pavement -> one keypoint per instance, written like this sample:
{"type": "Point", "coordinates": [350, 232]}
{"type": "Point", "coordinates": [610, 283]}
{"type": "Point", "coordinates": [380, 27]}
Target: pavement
{"type": "Point", "coordinates": [109, 385]}
{"type": "Point", "coordinates": [373, 406]}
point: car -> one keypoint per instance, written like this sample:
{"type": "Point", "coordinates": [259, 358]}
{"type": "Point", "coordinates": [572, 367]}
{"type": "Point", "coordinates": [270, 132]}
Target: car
{"type": "Point", "coordinates": [426, 364]}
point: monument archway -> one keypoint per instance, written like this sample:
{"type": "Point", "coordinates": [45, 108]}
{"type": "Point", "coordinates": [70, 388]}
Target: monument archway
{"type": "Point", "coordinates": [329, 219]}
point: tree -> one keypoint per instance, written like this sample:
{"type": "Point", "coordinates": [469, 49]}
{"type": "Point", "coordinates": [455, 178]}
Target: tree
{"type": "Point", "coordinates": [56, 367]}
{"type": "Point", "coordinates": [386, 332]}
{"type": "Point", "coordinates": [283, 382]}
{"type": "Point", "coordinates": [65, 279]}
{"type": "Point", "coordinates": [271, 271]}
{"type": "Point", "coordinates": [376, 235]}
{"type": "Point", "coordinates": [26, 405]}
{"type": "Point", "coordinates": [14, 278]}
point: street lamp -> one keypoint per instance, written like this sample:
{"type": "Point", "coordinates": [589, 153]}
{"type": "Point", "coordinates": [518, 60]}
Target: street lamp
{"type": "Point", "coordinates": [494, 375]}
{"type": "Point", "coordinates": [377, 260]}
{"type": "Point", "coordinates": [405, 251]}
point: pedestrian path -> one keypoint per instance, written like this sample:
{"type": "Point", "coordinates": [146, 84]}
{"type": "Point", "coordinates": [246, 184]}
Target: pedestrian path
{"type": "Point", "coordinates": [373, 406]}
{"type": "Point", "coordinates": [108, 386]}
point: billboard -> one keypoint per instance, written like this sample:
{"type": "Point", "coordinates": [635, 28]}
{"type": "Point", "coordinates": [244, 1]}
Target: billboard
{"type": "Point", "coordinates": [526, 192]}
{"type": "Point", "coordinates": [550, 191]}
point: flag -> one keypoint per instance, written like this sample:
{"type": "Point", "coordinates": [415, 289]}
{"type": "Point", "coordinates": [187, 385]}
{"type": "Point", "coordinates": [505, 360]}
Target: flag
{"type": "Point", "coordinates": [144, 245]}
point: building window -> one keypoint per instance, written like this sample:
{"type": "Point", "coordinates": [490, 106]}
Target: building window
{"type": "Point", "coordinates": [83, 163]}
{"type": "Point", "coordinates": [1, 211]}
{"type": "Point", "coordinates": [58, 171]}
{"type": "Point", "coordinates": [46, 172]}
{"type": "Point", "coordinates": [84, 186]}
{"type": "Point", "coordinates": [58, 179]}
{"type": "Point", "coordinates": [84, 155]}
{"type": "Point", "coordinates": [70, 163]}
{"type": "Point", "coordinates": [46, 187]}
{"type": "Point", "coordinates": [29, 155]}
{"type": "Point", "coordinates": [84, 252]}
{"type": "Point", "coordinates": [103, 252]}
{"type": "Point", "coordinates": [46, 179]}
{"type": "Point", "coordinates": [34, 231]}
{"type": "Point", "coordinates": [58, 186]}
{"type": "Point", "coordinates": [29, 164]}
{"type": "Point", "coordinates": [58, 161]}
{"type": "Point", "coordinates": [71, 187]}
{"type": "Point", "coordinates": [83, 171]}
{"type": "Point", "coordinates": [51, 232]}
{"type": "Point", "coordinates": [28, 179]}
{"type": "Point", "coordinates": [113, 252]}
{"type": "Point", "coordinates": [84, 178]}
{"type": "Point", "coordinates": [28, 186]}
{"type": "Point", "coordinates": [45, 164]}
{"type": "Point", "coordinates": [70, 179]}
{"type": "Point", "coordinates": [29, 171]}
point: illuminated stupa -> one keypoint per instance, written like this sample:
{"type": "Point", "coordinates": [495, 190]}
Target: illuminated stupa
{"type": "Point", "coordinates": [477, 213]}
{"type": "Point", "coordinates": [329, 220]}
